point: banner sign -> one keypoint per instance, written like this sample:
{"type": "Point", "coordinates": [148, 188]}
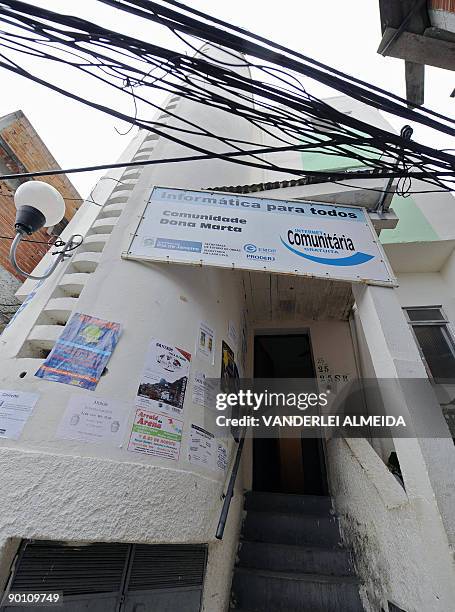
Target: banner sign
{"type": "Point", "coordinates": [236, 231]}
{"type": "Point", "coordinates": [81, 352]}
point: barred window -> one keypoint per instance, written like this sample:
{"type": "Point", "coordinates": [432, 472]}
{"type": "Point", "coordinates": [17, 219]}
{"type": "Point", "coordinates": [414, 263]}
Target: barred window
{"type": "Point", "coordinates": [435, 341]}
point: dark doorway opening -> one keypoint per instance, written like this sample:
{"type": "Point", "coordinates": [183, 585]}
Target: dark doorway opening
{"type": "Point", "coordinates": [287, 465]}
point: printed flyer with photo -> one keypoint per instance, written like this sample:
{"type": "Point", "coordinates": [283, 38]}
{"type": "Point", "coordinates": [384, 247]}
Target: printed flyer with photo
{"type": "Point", "coordinates": [164, 379]}
{"type": "Point", "coordinates": [205, 346]}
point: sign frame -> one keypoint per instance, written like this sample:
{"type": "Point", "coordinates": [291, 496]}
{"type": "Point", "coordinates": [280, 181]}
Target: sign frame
{"type": "Point", "coordinates": [174, 259]}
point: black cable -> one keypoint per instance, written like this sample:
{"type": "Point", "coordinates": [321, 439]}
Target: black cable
{"type": "Point", "coordinates": [346, 175]}
{"type": "Point", "coordinates": [34, 241]}
{"type": "Point", "coordinates": [213, 74]}
{"type": "Point", "coordinates": [344, 75]}
{"type": "Point", "coordinates": [189, 25]}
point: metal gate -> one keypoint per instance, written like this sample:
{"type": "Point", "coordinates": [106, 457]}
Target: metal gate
{"type": "Point", "coordinates": [111, 577]}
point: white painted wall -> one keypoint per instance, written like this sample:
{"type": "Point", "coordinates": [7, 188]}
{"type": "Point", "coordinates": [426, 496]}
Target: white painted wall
{"type": "Point", "coordinates": [65, 490]}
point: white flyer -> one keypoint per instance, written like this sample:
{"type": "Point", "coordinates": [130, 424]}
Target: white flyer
{"type": "Point", "coordinates": [164, 379]}
{"type": "Point", "coordinates": [15, 408]}
{"type": "Point", "coordinates": [221, 456]}
{"type": "Point", "coordinates": [204, 390]}
{"type": "Point", "coordinates": [94, 419]}
{"type": "Point", "coordinates": [205, 344]}
{"type": "Point", "coordinates": [206, 450]}
{"type": "Point", "coordinates": [201, 447]}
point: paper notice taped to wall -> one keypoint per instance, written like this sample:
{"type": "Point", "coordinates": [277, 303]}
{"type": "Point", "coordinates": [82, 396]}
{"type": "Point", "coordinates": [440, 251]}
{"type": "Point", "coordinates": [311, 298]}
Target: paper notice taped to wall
{"type": "Point", "coordinates": [94, 419]}
{"type": "Point", "coordinates": [206, 450]}
{"type": "Point", "coordinates": [204, 390]}
{"type": "Point", "coordinates": [15, 409]}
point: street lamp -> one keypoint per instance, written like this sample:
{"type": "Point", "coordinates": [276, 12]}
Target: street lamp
{"type": "Point", "coordinates": [39, 205]}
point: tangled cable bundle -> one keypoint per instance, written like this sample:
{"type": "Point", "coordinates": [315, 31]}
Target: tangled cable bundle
{"type": "Point", "coordinates": [290, 118]}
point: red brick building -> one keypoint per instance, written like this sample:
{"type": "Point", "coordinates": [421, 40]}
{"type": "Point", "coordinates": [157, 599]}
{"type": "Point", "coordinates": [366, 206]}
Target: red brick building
{"type": "Point", "coordinates": [22, 150]}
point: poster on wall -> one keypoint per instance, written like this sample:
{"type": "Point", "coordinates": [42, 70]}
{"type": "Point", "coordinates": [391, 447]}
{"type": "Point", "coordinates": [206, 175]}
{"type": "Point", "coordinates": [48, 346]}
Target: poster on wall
{"type": "Point", "coordinates": [205, 346]}
{"type": "Point", "coordinates": [204, 390]}
{"type": "Point", "coordinates": [201, 447]}
{"type": "Point", "coordinates": [229, 371]}
{"type": "Point", "coordinates": [206, 450]}
{"type": "Point", "coordinates": [164, 379]}
{"type": "Point", "coordinates": [158, 435]}
{"type": "Point", "coordinates": [93, 419]}
{"type": "Point", "coordinates": [251, 233]}
{"type": "Point", "coordinates": [81, 352]}
{"type": "Point", "coordinates": [15, 409]}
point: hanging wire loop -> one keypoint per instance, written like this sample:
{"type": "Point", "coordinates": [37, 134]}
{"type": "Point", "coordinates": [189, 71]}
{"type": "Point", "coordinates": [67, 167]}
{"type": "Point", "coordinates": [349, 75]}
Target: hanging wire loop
{"type": "Point", "coordinates": [72, 244]}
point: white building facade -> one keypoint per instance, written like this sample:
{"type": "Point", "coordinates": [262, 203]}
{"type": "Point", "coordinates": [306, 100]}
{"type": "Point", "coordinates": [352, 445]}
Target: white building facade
{"type": "Point", "coordinates": [75, 492]}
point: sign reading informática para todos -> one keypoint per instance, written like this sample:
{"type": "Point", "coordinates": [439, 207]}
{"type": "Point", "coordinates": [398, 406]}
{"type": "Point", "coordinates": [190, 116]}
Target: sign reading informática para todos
{"type": "Point", "coordinates": [236, 231]}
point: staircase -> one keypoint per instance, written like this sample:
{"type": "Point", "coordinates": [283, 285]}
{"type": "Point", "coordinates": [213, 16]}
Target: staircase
{"type": "Point", "coordinates": [291, 559]}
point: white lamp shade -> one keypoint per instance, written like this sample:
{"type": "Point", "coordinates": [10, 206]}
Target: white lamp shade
{"type": "Point", "coordinates": [44, 198]}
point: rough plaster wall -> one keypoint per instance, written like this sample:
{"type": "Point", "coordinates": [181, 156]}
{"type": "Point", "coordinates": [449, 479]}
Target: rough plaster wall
{"type": "Point", "coordinates": [47, 496]}
{"type": "Point", "coordinates": [392, 558]}
{"type": "Point", "coordinates": [221, 560]}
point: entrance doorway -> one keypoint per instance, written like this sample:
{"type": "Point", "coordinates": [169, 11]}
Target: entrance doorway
{"type": "Point", "coordinates": [287, 465]}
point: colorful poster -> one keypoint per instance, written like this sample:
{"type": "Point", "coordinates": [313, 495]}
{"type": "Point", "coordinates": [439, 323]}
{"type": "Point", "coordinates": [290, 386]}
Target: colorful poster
{"type": "Point", "coordinates": [94, 419]}
{"type": "Point", "coordinates": [205, 450]}
{"type": "Point", "coordinates": [204, 390]}
{"type": "Point", "coordinates": [229, 370]}
{"type": "Point", "coordinates": [15, 408]}
{"type": "Point", "coordinates": [164, 379]}
{"type": "Point", "coordinates": [81, 353]}
{"type": "Point", "coordinates": [205, 346]}
{"type": "Point", "coordinates": [155, 434]}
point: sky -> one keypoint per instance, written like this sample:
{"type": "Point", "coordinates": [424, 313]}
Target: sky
{"type": "Point", "coordinates": [344, 35]}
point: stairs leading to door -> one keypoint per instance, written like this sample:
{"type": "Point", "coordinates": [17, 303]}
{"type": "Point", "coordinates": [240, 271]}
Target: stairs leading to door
{"type": "Point", "coordinates": [291, 558]}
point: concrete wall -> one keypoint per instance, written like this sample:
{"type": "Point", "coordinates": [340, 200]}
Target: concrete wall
{"type": "Point", "coordinates": [401, 537]}
{"type": "Point", "coordinates": [398, 559]}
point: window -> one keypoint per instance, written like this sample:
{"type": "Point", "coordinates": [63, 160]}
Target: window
{"type": "Point", "coordinates": [435, 341]}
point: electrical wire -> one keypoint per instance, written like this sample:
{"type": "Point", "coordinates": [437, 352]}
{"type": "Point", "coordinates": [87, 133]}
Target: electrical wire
{"type": "Point", "coordinates": [283, 109]}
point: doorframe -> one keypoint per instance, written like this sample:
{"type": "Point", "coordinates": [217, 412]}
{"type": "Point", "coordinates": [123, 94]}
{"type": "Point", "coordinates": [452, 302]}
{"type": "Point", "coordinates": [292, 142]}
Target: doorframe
{"type": "Point", "coordinates": [291, 331]}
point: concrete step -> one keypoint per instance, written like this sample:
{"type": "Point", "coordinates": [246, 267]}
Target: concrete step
{"type": "Point", "coordinates": [283, 528]}
{"type": "Point", "coordinates": [286, 557]}
{"type": "Point", "coordinates": [259, 501]}
{"type": "Point", "coordinates": [261, 591]}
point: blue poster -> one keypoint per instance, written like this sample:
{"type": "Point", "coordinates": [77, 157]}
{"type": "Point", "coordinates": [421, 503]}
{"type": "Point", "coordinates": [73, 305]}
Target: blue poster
{"type": "Point", "coordinates": [82, 352]}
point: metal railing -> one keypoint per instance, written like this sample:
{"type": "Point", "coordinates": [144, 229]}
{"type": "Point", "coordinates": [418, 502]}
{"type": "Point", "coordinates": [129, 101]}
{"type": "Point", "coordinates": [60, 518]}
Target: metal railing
{"type": "Point", "coordinates": [230, 489]}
